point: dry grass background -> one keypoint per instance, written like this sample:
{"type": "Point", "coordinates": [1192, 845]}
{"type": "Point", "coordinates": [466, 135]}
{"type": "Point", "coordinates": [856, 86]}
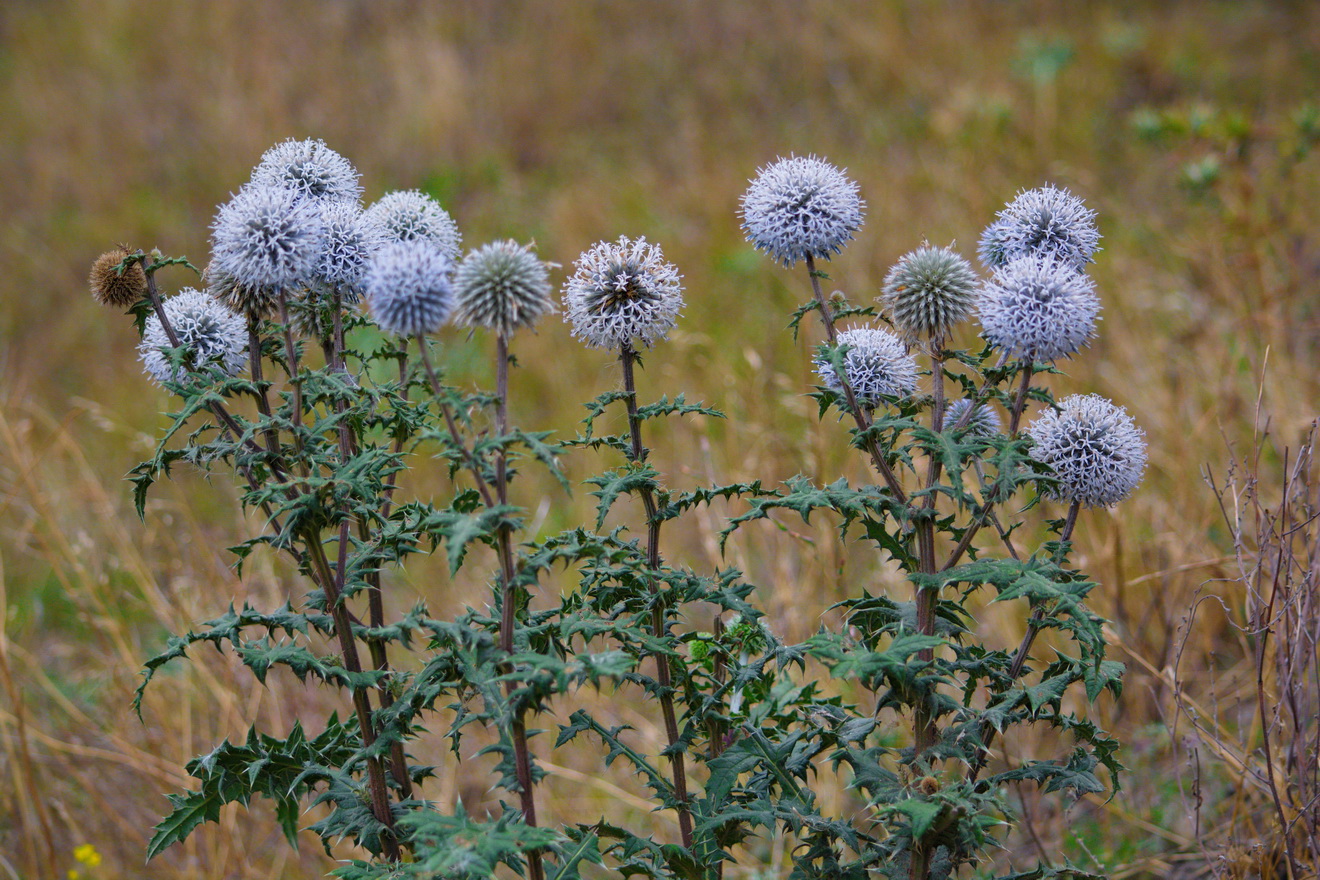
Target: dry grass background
{"type": "Point", "coordinates": [571, 122]}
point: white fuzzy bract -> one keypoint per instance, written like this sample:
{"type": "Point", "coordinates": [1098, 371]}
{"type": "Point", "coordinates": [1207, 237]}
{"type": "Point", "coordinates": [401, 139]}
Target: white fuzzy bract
{"type": "Point", "coordinates": [801, 207]}
{"type": "Point", "coordinates": [410, 215]}
{"type": "Point", "coordinates": [212, 334]}
{"type": "Point", "coordinates": [1040, 308]}
{"type": "Point", "coordinates": [310, 169]}
{"type": "Point", "coordinates": [877, 366]}
{"type": "Point", "coordinates": [502, 286]}
{"type": "Point", "coordinates": [409, 289]}
{"type": "Point", "coordinates": [1042, 222]}
{"type": "Point", "coordinates": [622, 290]}
{"type": "Point", "coordinates": [267, 237]}
{"type": "Point", "coordinates": [1096, 451]}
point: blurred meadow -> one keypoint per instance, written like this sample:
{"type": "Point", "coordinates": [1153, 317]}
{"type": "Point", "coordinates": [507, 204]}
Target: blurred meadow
{"type": "Point", "coordinates": [1189, 128]}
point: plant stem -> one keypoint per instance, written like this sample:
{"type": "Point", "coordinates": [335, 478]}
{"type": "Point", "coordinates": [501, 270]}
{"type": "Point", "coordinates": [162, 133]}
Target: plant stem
{"type": "Point", "coordinates": [291, 353]}
{"type": "Point", "coordinates": [664, 677]}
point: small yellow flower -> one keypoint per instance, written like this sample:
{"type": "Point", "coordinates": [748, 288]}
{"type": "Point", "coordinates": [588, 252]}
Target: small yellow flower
{"type": "Point", "coordinates": [87, 854]}
{"type": "Point", "coordinates": [72, 875]}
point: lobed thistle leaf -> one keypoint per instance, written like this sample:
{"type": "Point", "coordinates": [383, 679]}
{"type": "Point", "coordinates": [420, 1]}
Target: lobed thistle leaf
{"type": "Point", "coordinates": [263, 240]}
{"type": "Point", "coordinates": [801, 207]}
{"type": "Point", "coordinates": [876, 365]}
{"type": "Point", "coordinates": [408, 288]}
{"type": "Point", "coordinates": [1042, 222]}
{"type": "Point", "coordinates": [928, 291]}
{"type": "Point", "coordinates": [622, 290]}
{"type": "Point", "coordinates": [1039, 307]}
{"type": "Point", "coordinates": [212, 334]}
{"type": "Point", "coordinates": [502, 286]}
{"type": "Point", "coordinates": [1096, 450]}
{"type": "Point", "coordinates": [310, 169]}
{"type": "Point", "coordinates": [112, 287]}
{"type": "Point", "coordinates": [410, 215]}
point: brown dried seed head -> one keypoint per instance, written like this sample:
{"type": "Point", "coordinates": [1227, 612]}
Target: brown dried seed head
{"type": "Point", "coordinates": [928, 785]}
{"type": "Point", "coordinates": [113, 288]}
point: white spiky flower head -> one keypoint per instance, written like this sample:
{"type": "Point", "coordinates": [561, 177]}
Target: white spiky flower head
{"type": "Point", "coordinates": [502, 286]}
{"type": "Point", "coordinates": [622, 290]}
{"type": "Point", "coordinates": [350, 242]}
{"type": "Point", "coordinates": [310, 169]}
{"type": "Point", "coordinates": [1096, 451]}
{"type": "Point", "coordinates": [263, 240]}
{"type": "Point", "coordinates": [409, 288]}
{"type": "Point", "coordinates": [1039, 308]}
{"type": "Point", "coordinates": [801, 207]}
{"type": "Point", "coordinates": [983, 422]}
{"type": "Point", "coordinates": [1043, 222]}
{"type": "Point", "coordinates": [409, 215]}
{"type": "Point", "coordinates": [928, 292]}
{"type": "Point", "coordinates": [877, 365]}
{"type": "Point", "coordinates": [212, 334]}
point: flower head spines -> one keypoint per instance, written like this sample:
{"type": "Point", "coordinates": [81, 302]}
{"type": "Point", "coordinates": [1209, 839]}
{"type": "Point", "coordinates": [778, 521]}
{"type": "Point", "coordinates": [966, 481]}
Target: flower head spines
{"type": "Point", "coordinates": [409, 288]}
{"type": "Point", "coordinates": [993, 247]}
{"type": "Point", "coordinates": [409, 215]}
{"type": "Point", "coordinates": [801, 207]}
{"type": "Point", "coordinates": [1097, 452]}
{"type": "Point", "coordinates": [213, 335]}
{"type": "Point", "coordinates": [876, 364]}
{"type": "Point", "coordinates": [1043, 222]}
{"type": "Point", "coordinates": [928, 292]}
{"type": "Point", "coordinates": [266, 237]}
{"type": "Point", "coordinates": [111, 287]}
{"type": "Point", "coordinates": [983, 422]}
{"type": "Point", "coordinates": [622, 291]}
{"type": "Point", "coordinates": [350, 241]}
{"type": "Point", "coordinates": [502, 286]}
{"type": "Point", "coordinates": [1040, 308]}
{"type": "Point", "coordinates": [310, 169]}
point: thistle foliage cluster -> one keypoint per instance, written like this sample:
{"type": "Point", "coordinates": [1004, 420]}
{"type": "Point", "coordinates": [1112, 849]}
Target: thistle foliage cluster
{"type": "Point", "coordinates": [902, 696]}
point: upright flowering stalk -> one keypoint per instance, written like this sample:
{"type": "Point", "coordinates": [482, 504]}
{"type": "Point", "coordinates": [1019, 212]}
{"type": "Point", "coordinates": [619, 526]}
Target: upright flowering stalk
{"type": "Point", "coordinates": [624, 291]}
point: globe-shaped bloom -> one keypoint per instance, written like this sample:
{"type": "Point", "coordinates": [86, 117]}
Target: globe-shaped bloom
{"type": "Point", "coordinates": [983, 422]}
{"type": "Point", "coordinates": [1040, 308]}
{"type": "Point", "coordinates": [622, 290]}
{"type": "Point", "coordinates": [410, 215]}
{"type": "Point", "coordinates": [350, 241]}
{"type": "Point", "coordinates": [1097, 452]}
{"type": "Point", "coordinates": [502, 286]}
{"type": "Point", "coordinates": [801, 207]}
{"type": "Point", "coordinates": [111, 287]}
{"type": "Point", "coordinates": [928, 292]}
{"type": "Point", "coordinates": [264, 239]}
{"type": "Point", "coordinates": [212, 334]}
{"type": "Point", "coordinates": [309, 168]}
{"type": "Point", "coordinates": [877, 366]}
{"type": "Point", "coordinates": [1042, 222]}
{"type": "Point", "coordinates": [409, 288]}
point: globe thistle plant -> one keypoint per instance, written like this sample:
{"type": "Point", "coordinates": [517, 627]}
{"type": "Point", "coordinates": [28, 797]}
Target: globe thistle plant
{"type": "Point", "coordinates": [928, 292]}
{"type": "Point", "coordinates": [409, 288]}
{"type": "Point", "coordinates": [410, 215]}
{"type": "Point", "coordinates": [799, 208]}
{"type": "Point", "coordinates": [349, 243]}
{"type": "Point", "coordinates": [1039, 307]}
{"type": "Point", "coordinates": [876, 365]}
{"type": "Point", "coordinates": [110, 286]}
{"type": "Point", "coordinates": [1042, 222]}
{"type": "Point", "coordinates": [264, 239]}
{"type": "Point", "coordinates": [502, 286]}
{"type": "Point", "coordinates": [212, 334]}
{"type": "Point", "coordinates": [983, 422]}
{"type": "Point", "coordinates": [622, 290]}
{"type": "Point", "coordinates": [1096, 451]}
{"type": "Point", "coordinates": [310, 169]}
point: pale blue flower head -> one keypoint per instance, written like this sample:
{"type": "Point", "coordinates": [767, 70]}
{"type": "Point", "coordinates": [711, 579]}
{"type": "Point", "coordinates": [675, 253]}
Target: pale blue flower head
{"type": "Point", "coordinates": [1039, 308]}
{"type": "Point", "coordinates": [877, 365]}
{"type": "Point", "coordinates": [622, 290]}
{"type": "Point", "coordinates": [409, 289]}
{"type": "Point", "coordinates": [211, 333]}
{"type": "Point", "coordinates": [265, 238]}
{"type": "Point", "coordinates": [1095, 449]}
{"type": "Point", "coordinates": [502, 286]}
{"type": "Point", "coordinates": [801, 207]}
{"type": "Point", "coordinates": [410, 215]}
{"type": "Point", "coordinates": [1042, 222]}
{"type": "Point", "coordinates": [983, 422]}
{"type": "Point", "coordinates": [350, 241]}
{"type": "Point", "coordinates": [928, 292]}
{"type": "Point", "coordinates": [310, 169]}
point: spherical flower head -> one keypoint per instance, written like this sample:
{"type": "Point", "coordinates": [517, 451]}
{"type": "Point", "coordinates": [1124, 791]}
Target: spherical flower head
{"type": "Point", "coordinates": [411, 215]}
{"type": "Point", "coordinates": [877, 366]}
{"type": "Point", "coordinates": [409, 289]}
{"type": "Point", "coordinates": [801, 207]}
{"type": "Point", "coordinates": [928, 292]}
{"type": "Point", "coordinates": [1045, 222]}
{"type": "Point", "coordinates": [267, 237]}
{"type": "Point", "coordinates": [622, 290]}
{"type": "Point", "coordinates": [1040, 308]}
{"type": "Point", "coordinates": [213, 335]}
{"type": "Point", "coordinates": [502, 286]}
{"type": "Point", "coordinates": [993, 248]}
{"type": "Point", "coordinates": [310, 169]}
{"type": "Point", "coordinates": [1096, 451]}
{"type": "Point", "coordinates": [983, 422]}
{"type": "Point", "coordinates": [349, 243]}
{"type": "Point", "coordinates": [111, 287]}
